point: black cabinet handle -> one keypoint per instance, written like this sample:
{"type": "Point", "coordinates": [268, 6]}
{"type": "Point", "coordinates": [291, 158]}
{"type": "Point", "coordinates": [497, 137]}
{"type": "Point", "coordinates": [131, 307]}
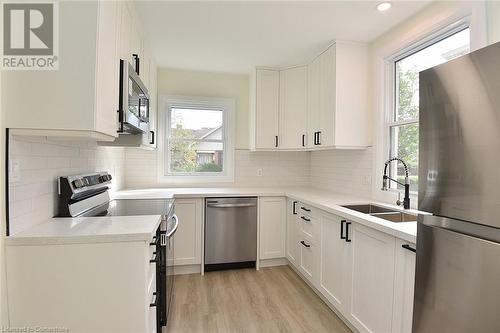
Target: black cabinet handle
{"type": "Point", "coordinates": [303, 140]}
{"type": "Point", "coordinates": [152, 142]}
{"type": "Point", "coordinates": [305, 219]}
{"type": "Point", "coordinates": [319, 138]}
{"type": "Point", "coordinates": [153, 260]}
{"type": "Point", "coordinates": [276, 141]}
{"type": "Point", "coordinates": [154, 302]}
{"type": "Point", "coordinates": [347, 224]}
{"type": "Point", "coordinates": [315, 138]}
{"type": "Point", "coordinates": [409, 248]}
{"type": "Point", "coordinates": [305, 209]}
{"type": "Point", "coordinates": [153, 241]}
{"type": "Point", "coordinates": [137, 62]}
{"type": "Point", "coordinates": [304, 243]}
{"type": "Point", "coordinates": [342, 222]}
{"type": "Point", "coordinates": [295, 208]}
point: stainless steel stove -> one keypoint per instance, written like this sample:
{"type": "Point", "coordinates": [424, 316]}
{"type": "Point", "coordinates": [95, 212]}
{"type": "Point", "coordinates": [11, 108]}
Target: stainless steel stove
{"type": "Point", "coordinates": [88, 196]}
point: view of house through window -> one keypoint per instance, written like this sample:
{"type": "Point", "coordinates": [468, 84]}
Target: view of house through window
{"type": "Point", "coordinates": [196, 140]}
{"type": "Point", "coordinates": [403, 127]}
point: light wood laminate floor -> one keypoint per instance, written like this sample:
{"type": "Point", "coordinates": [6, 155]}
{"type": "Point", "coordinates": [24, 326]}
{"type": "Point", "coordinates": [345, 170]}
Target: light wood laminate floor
{"type": "Point", "coordinates": [272, 299]}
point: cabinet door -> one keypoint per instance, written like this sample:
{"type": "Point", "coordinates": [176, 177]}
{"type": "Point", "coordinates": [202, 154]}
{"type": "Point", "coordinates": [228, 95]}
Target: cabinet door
{"type": "Point", "coordinates": [266, 109]}
{"type": "Point", "coordinates": [125, 33]}
{"type": "Point", "coordinates": [313, 107]}
{"type": "Point", "coordinates": [327, 98]}
{"type": "Point", "coordinates": [108, 68]}
{"type": "Point", "coordinates": [309, 259]}
{"type": "Point", "coordinates": [187, 239]}
{"type": "Point", "coordinates": [335, 263]}
{"type": "Point", "coordinates": [292, 229]}
{"type": "Point", "coordinates": [149, 138]}
{"type": "Point", "coordinates": [293, 108]}
{"type": "Point", "coordinates": [372, 279]}
{"type": "Point", "coordinates": [272, 225]}
{"type": "Point", "coordinates": [404, 283]}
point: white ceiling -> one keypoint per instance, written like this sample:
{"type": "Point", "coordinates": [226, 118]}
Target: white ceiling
{"type": "Point", "coordinates": [234, 37]}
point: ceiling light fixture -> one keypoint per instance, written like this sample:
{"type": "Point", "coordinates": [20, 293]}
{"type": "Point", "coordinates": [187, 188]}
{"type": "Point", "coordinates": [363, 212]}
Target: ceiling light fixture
{"type": "Point", "coordinates": [384, 6]}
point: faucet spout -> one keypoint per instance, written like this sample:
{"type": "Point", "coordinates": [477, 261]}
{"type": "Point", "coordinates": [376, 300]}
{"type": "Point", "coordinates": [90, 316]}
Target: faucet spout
{"type": "Point", "coordinates": [386, 179]}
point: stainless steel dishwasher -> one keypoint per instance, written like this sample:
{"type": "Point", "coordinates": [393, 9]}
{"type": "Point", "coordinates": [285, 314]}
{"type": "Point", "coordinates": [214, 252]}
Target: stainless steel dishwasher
{"type": "Point", "coordinates": [230, 233]}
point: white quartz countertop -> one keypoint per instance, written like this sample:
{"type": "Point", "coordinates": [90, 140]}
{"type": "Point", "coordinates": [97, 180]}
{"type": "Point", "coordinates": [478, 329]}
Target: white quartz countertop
{"type": "Point", "coordinates": [325, 200]}
{"type": "Point", "coordinates": [89, 230]}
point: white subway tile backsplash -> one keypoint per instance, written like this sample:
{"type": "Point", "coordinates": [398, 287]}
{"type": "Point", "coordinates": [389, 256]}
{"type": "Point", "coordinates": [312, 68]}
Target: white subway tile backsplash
{"type": "Point", "coordinates": [33, 198]}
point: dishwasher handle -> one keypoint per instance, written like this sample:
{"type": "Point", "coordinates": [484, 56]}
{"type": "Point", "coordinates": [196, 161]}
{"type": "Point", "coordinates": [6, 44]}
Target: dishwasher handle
{"type": "Point", "coordinates": [240, 205]}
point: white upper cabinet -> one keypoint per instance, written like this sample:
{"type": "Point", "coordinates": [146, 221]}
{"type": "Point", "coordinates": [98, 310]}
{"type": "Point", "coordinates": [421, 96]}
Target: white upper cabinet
{"type": "Point", "coordinates": [80, 98]}
{"type": "Point", "coordinates": [266, 109]}
{"type": "Point", "coordinates": [323, 106]}
{"type": "Point", "coordinates": [293, 108]}
{"type": "Point", "coordinates": [338, 97]}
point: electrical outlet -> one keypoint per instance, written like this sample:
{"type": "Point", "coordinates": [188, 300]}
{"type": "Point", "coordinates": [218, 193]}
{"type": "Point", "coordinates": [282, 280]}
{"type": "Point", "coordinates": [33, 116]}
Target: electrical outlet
{"type": "Point", "coordinates": [259, 172]}
{"type": "Point", "coordinates": [15, 171]}
{"type": "Point", "coordinates": [366, 180]}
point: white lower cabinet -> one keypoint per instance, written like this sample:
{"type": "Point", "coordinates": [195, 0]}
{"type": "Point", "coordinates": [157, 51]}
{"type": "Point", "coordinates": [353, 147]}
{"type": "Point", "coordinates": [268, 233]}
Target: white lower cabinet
{"type": "Point", "coordinates": [272, 227]}
{"type": "Point", "coordinates": [372, 279]}
{"type": "Point", "coordinates": [404, 283]}
{"type": "Point", "coordinates": [187, 238]}
{"type": "Point", "coordinates": [292, 228]}
{"type": "Point", "coordinates": [335, 262]}
{"type": "Point", "coordinates": [365, 274]}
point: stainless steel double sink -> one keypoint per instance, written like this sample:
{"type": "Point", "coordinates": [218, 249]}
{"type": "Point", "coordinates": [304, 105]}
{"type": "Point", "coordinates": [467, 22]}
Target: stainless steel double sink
{"type": "Point", "coordinates": [383, 213]}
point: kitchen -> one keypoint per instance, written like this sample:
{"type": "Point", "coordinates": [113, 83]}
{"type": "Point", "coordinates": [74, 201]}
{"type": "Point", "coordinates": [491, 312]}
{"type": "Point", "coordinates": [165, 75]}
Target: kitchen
{"type": "Point", "coordinates": [249, 166]}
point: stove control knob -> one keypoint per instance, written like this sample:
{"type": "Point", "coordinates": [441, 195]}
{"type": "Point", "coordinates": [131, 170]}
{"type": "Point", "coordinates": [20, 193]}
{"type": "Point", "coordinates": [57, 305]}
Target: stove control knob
{"type": "Point", "coordinates": [78, 183]}
{"type": "Point", "coordinates": [103, 179]}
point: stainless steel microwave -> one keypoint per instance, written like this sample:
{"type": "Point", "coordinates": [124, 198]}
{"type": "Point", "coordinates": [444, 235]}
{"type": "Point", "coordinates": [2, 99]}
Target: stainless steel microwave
{"type": "Point", "coordinates": [133, 106]}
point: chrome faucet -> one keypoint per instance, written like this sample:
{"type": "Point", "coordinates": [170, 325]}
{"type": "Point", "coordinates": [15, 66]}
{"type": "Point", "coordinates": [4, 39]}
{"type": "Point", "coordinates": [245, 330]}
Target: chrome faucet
{"type": "Point", "coordinates": [385, 180]}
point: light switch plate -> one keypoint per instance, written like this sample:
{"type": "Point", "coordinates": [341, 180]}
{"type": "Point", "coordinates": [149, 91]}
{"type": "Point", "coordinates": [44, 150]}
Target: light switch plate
{"type": "Point", "coordinates": [14, 171]}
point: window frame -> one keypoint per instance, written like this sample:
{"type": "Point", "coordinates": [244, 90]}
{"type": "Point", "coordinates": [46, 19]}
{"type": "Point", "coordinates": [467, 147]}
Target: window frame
{"type": "Point", "coordinates": [392, 85]}
{"type": "Point", "coordinates": [227, 106]}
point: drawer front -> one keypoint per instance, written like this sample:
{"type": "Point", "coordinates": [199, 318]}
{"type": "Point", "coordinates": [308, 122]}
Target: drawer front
{"type": "Point", "coordinates": [309, 226]}
{"type": "Point", "coordinates": [308, 258]}
{"type": "Point", "coordinates": [305, 210]}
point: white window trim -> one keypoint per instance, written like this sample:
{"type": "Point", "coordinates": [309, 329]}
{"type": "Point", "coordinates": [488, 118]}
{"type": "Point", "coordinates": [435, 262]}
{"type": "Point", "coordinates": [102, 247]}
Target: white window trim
{"type": "Point", "coordinates": [227, 105]}
{"type": "Point", "coordinates": [441, 32]}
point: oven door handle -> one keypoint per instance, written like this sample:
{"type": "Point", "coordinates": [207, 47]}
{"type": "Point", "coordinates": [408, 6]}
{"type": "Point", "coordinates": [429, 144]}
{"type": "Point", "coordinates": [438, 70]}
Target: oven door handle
{"type": "Point", "coordinates": [174, 229]}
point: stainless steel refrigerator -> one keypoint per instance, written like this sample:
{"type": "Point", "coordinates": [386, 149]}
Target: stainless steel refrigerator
{"type": "Point", "coordinates": [457, 286]}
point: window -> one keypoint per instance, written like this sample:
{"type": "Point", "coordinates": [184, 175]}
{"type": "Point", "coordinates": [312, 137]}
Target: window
{"type": "Point", "coordinates": [403, 122]}
{"type": "Point", "coordinates": [198, 139]}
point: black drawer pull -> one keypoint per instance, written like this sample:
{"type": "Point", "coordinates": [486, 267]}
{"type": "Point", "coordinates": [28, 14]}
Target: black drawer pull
{"type": "Point", "coordinates": [305, 209]}
{"type": "Point", "coordinates": [305, 219]}
{"type": "Point", "coordinates": [304, 243]}
{"type": "Point", "coordinates": [295, 208]}
{"type": "Point", "coordinates": [347, 224]}
{"type": "Point", "coordinates": [154, 302]}
{"type": "Point", "coordinates": [342, 222]}
{"type": "Point", "coordinates": [152, 260]}
{"type": "Point", "coordinates": [276, 141]}
{"type": "Point", "coordinates": [153, 241]}
{"type": "Point", "coordinates": [409, 248]}
{"type": "Point", "coordinates": [303, 140]}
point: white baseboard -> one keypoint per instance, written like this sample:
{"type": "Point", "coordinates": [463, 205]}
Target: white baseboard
{"type": "Point", "coordinates": [187, 269]}
{"type": "Point", "coordinates": [273, 262]}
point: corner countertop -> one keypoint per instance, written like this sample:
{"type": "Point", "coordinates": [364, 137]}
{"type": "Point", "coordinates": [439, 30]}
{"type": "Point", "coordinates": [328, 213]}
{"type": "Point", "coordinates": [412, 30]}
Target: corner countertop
{"type": "Point", "coordinates": [328, 201]}
{"type": "Point", "coordinates": [88, 230]}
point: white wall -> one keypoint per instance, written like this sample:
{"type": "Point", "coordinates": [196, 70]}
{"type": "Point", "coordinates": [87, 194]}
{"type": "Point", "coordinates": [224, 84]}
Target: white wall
{"type": "Point", "coordinates": [206, 84]}
{"type": "Point", "coordinates": [433, 18]}
{"type": "Point", "coordinates": [33, 198]}
{"type": "Point", "coordinates": [493, 14]}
